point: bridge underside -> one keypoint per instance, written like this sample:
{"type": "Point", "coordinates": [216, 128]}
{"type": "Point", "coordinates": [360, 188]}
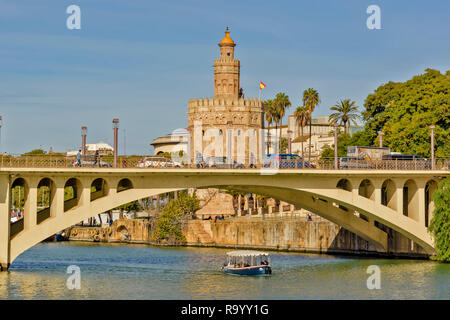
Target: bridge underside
{"type": "Point", "coordinates": [350, 207]}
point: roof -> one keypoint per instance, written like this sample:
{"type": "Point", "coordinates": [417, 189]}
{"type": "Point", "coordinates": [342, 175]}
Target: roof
{"type": "Point", "coordinates": [98, 146]}
{"type": "Point", "coordinates": [227, 39]}
{"type": "Point", "coordinates": [246, 253]}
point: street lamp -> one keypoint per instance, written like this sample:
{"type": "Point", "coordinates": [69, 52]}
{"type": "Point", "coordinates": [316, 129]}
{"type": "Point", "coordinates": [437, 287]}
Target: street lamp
{"type": "Point", "coordinates": [432, 147]}
{"type": "Point", "coordinates": [380, 135]}
{"type": "Point", "coordinates": [84, 131]}
{"type": "Point", "coordinates": [335, 125]}
{"type": "Point", "coordinates": [115, 123]}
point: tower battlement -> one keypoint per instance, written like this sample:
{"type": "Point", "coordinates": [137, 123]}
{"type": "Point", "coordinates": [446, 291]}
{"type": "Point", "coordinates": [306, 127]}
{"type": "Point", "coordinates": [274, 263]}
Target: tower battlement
{"type": "Point", "coordinates": [227, 62]}
{"type": "Point", "coordinates": [212, 102]}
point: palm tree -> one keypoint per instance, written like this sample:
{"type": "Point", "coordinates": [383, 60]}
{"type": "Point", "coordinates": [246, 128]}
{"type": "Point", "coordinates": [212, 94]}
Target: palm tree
{"type": "Point", "coordinates": [310, 100]}
{"type": "Point", "coordinates": [269, 111]}
{"type": "Point", "coordinates": [346, 113]}
{"type": "Point", "coordinates": [301, 115]}
{"type": "Point", "coordinates": [281, 103]}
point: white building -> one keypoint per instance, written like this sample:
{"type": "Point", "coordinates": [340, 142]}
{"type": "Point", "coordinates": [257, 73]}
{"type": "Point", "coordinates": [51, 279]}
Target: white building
{"type": "Point", "coordinates": [102, 147]}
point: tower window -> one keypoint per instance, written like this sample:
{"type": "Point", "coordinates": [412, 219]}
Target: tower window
{"type": "Point", "coordinates": [228, 54]}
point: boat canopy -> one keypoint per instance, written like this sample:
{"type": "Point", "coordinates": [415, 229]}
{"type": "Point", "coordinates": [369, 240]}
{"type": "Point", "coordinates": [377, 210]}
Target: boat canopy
{"type": "Point", "coordinates": [246, 253]}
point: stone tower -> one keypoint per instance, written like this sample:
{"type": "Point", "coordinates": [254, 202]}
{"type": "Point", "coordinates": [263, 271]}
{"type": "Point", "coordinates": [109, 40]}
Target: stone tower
{"type": "Point", "coordinates": [226, 70]}
{"type": "Point", "coordinates": [226, 125]}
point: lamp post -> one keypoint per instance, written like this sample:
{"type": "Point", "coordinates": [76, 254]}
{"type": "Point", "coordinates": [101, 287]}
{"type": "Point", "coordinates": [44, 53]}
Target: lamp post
{"type": "Point", "coordinates": [83, 140]}
{"type": "Point", "coordinates": [116, 130]}
{"type": "Point", "coordinates": [380, 135]}
{"type": "Point", "coordinates": [432, 147]}
{"type": "Point", "coordinates": [336, 125]}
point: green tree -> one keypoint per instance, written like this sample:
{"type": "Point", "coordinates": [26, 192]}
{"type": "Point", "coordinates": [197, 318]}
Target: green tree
{"type": "Point", "coordinates": [35, 152]}
{"type": "Point", "coordinates": [270, 114]}
{"type": "Point", "coordinates": [310, 100]}
{"type": "Point", "coordinates": [284, 145]}
{"type": "Point", "coordinates": [405, 110]}
{"type": "Point", "coordinates": [327, 153]}
{"type": "Point", "coordinates": [132, 206]}
{"type": "Point", "coordinates": [168, 226]}
{"type": "Point", "coordinates": [281, 103]}
{"type": "Point", "coordinates": [440, 223]}
{"type": "Point", "coordinates": [346, 113]}
{"type": "Point", "coordinates": [301, 115]}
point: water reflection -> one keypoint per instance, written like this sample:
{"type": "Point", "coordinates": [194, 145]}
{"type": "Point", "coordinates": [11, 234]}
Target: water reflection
{"type": "Point", "coordinates": [116, 271]}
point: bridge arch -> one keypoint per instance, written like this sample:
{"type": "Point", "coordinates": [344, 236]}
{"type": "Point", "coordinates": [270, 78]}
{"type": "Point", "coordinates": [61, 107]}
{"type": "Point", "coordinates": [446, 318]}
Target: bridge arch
{"type": "Point", "coordinates": [124, 184]}
{"type": "Point", "coordinates": [316, 193]}
{"type": "Point", "coordinates": [389, 194]}
{"type": "Point", "coordinates": [411, 199]}
{"type": "Point", "coordinates": [72, 193]}
{"type": "Point", "coordinates": [99, 189]}
{"type": "Point", "coordinates": [430, 188]}
{"type": "Point", "coordinates": [45, 199]}
{"type": "Point", "coordinates": [19, 194]}
{"type": "Point", "coordinates": [367, 189]}
{"type": "Point", "coordinates": [344, 184]}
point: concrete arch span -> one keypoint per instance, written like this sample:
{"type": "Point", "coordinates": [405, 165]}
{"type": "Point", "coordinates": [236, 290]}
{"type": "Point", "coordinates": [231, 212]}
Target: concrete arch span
{"type": "Point", "coordinates": [313, 191]}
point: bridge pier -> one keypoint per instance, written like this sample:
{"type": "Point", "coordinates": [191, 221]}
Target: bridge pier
{"type": "Point", "coordinates": [30, 212]}
{"type": "Point", "coordinates": [5, 222]}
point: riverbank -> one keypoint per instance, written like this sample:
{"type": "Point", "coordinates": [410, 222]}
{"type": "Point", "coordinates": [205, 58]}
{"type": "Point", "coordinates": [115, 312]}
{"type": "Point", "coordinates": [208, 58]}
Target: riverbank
{"type": "Point", "coordinates": [288, 235]}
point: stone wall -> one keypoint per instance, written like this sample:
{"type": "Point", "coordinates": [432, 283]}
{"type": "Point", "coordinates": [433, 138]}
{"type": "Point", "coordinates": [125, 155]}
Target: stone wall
{"type": "Point", "coordinates": [299, 235]}
{"type": "Point", "coordinates": [122, 230]}
{"type": "Point", "coordinates": [291, 235]}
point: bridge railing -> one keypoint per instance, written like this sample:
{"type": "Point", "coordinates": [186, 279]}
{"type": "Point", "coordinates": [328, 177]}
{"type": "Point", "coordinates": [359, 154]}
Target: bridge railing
{"type": "Point", "coordinates": [358, 164]}
{"type": "Point", "coordinates": [142, 162]}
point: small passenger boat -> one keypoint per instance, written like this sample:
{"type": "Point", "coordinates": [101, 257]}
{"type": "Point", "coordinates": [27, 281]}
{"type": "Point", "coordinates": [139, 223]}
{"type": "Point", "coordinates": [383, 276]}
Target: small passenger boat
{"type": "Point", "coordinates": [247, 262]}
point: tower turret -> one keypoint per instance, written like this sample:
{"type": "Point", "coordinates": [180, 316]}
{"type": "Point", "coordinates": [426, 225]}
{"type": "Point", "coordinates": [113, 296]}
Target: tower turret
{"type": "Point", "coordinates": [226, 70]}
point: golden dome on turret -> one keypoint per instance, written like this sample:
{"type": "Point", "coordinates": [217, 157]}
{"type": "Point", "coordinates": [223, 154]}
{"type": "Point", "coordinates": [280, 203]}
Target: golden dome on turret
{"type": "Point", "coordinates": [227, 39]}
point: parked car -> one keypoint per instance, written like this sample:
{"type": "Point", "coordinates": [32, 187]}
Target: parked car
{"type": "Point", "coordinates": [353, 162]}
{"type": "Point", "coordinates": [158, 162]}
{"type": "Point", "coordinates": [90, 163]}
{"type": "Point", "coordinates": [222, 163]}
{"type": "Point", "coordinates": [285, 161]}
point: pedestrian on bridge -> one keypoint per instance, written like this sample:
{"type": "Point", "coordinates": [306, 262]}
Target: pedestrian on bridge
{"type": "Point", "coordinates": [96, 158]}
{"type": "Point", "coordinates": [79, 158]}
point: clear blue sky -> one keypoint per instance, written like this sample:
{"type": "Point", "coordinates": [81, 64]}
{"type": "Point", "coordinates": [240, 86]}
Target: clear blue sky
{"type": "Point", "coordinates": [142, 60]}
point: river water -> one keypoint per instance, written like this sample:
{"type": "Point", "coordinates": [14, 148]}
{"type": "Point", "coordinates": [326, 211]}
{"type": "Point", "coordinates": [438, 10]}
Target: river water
{"type": "Point", "coordinates": [115, 271]}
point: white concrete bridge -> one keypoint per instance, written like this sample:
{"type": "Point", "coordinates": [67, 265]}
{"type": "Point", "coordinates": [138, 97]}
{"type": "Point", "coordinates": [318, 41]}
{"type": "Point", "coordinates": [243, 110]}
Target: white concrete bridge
{"type": "Point", "coordinates": [358, 200]}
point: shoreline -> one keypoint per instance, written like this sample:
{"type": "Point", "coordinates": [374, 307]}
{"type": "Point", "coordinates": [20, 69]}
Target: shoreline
{"type": "Point", "coordinates": [331, 252]}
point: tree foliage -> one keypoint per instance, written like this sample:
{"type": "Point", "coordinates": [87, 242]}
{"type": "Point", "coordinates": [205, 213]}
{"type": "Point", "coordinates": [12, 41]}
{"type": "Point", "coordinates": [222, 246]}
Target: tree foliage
{"type": "Point", "coordinates": [132, 206]}
{"type": "Point", "coordinates": [168, 226]}
{"type": "Point", "coordinates": [440, 223]}
{"type": "Point", "coordinates": [345, 140]}
{"type": "Point", "coordinates": [345, 112]}
{"type": "Point", "coordinates": [405, 110]}
{"type": "Point", "coordinates": [35, 152]}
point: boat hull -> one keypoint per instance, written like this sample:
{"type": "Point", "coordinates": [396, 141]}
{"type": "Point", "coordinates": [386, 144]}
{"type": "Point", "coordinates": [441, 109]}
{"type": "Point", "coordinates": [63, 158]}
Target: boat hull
{"type": "Point", "coordinates": [249, 271]}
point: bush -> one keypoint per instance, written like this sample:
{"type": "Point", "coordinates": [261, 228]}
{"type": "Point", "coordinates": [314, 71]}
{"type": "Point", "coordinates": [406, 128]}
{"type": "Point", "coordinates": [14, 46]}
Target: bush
{"type": "Point", "coordinates": [168, 226]}
{"type": "Point", "coordinates": [440, 223]}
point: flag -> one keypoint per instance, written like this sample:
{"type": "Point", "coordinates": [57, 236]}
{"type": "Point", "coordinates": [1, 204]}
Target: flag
{"type": "Point", "coordinates": [261, 85]}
